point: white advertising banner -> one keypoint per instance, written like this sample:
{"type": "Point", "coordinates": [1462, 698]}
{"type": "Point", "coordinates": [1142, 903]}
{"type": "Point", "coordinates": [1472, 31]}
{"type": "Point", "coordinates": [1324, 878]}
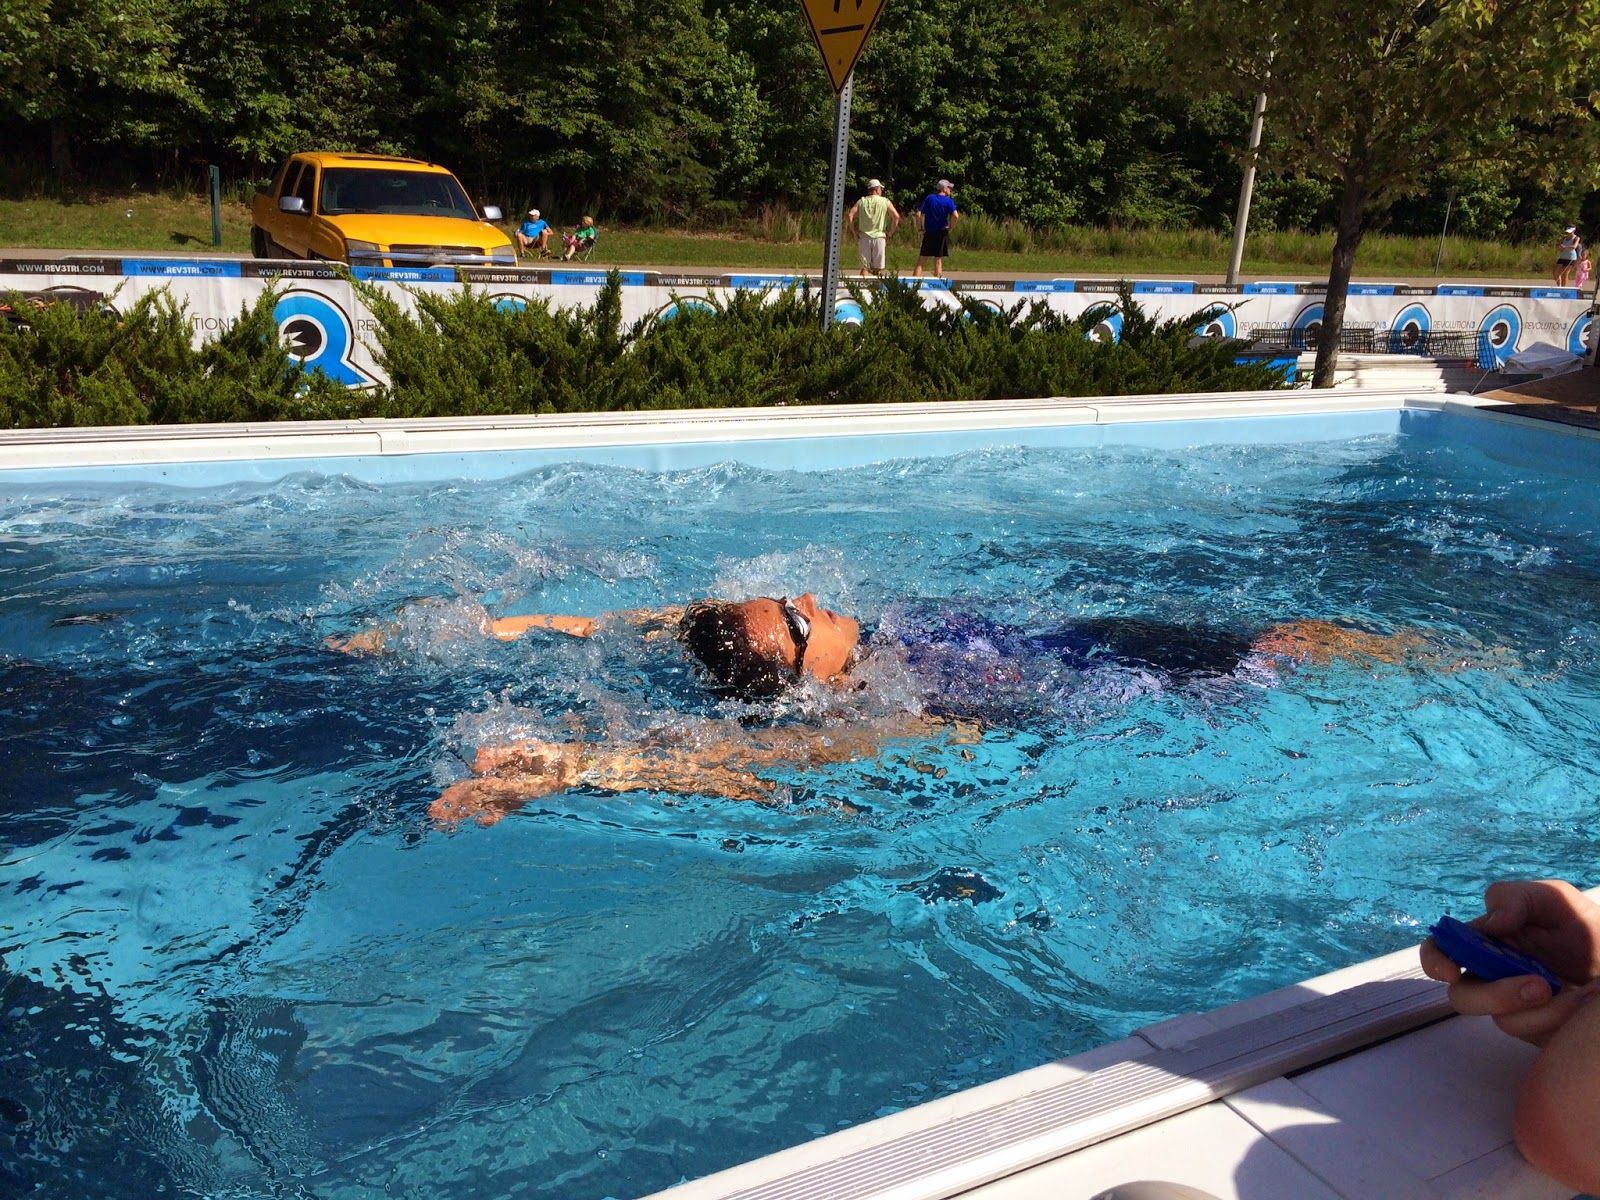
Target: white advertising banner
{"type": "Point", "coordinates": [325, 323]}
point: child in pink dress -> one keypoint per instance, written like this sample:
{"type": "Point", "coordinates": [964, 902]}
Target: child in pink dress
{"type": "Point", "coordinates": [1585, 265]}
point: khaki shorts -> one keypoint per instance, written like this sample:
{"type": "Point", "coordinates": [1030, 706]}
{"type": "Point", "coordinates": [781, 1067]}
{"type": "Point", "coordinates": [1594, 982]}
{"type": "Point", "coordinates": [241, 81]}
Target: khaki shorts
{"type": "Point", "coordinates": [872, 250]}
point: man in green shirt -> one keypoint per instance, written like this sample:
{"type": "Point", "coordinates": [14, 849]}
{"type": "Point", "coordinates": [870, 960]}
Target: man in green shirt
{"type": "Point", "coordinates": [873, 219]}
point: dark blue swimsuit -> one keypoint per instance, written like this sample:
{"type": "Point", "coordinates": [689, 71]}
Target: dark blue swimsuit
{"type": "Point", "coordinates": [971, 666]}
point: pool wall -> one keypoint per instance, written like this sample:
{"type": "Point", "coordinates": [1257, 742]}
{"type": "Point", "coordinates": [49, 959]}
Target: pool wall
{"type": "Point", "coordinates": [381, 451]}
{"type": "Point", "coordinates": [324, 317]}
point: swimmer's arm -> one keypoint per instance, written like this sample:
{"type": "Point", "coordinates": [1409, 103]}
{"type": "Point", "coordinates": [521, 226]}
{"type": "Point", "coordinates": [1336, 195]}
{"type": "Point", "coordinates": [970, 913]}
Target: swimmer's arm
{"type": "Point", "coordinates": [654, 622]}
{"type": "Point", "coordinates": [530, 770]}
{"type": "Point", "coordinates": [506, 777]}
{"type": "Point", "coordinates": [651, 620]}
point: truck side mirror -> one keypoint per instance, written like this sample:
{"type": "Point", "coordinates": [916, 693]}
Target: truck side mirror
{"type": "Point", "coordinates": [491, 212]}
{"type": "Point", "coordinates": [291, 204]}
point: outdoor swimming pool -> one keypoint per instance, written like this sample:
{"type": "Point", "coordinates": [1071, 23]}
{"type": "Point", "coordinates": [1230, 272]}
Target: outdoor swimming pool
{"type": "Point", "coordinates": [239, 962]}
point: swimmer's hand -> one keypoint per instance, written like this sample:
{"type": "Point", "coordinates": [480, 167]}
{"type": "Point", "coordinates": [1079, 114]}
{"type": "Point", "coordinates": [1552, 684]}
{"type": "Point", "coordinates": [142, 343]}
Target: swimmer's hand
{"type": "Point", "coordinates": [1555, 923]}
{"type": "Point", "coordinates": [368, 641]}
{"type": "Point", "coordinates": [506, 778]}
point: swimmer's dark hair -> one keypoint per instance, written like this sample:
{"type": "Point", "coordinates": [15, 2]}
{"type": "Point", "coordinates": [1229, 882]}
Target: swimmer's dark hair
{"type": "Point", "coordinates": [715, 633]}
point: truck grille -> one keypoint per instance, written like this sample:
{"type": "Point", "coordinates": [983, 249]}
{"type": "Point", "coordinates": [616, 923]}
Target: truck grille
{"type": "Point", "coordinates": [434, 256]}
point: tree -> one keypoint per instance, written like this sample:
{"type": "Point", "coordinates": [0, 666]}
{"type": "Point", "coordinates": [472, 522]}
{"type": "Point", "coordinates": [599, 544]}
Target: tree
{"type": "Point", "coordinates": [102, 70]}
{"type": "Point", "coordinates": [1381, 95]}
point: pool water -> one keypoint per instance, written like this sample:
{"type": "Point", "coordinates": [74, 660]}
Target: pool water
{"type": "Point", "coordinates": [238, 961]}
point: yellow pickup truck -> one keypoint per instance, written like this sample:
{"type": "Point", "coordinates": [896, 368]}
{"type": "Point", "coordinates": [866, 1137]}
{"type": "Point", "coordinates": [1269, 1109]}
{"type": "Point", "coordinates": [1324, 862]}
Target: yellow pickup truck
{"type": "Point", "coordinates": [374, 211]}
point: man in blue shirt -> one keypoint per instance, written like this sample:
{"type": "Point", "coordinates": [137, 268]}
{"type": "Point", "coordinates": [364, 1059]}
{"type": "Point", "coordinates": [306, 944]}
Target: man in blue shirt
{"type": "Point", "coordinates": [535, 231]}
{"type": "Point", "coordinates": [936, 216]}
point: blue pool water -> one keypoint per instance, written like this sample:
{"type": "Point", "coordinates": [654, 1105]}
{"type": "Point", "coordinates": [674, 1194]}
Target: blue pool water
{"type": "Point", "coordinates": [237, 960]}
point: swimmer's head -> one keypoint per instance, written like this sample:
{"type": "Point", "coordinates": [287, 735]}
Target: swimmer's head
{"type": "Point", "coordinates": [756, 648]}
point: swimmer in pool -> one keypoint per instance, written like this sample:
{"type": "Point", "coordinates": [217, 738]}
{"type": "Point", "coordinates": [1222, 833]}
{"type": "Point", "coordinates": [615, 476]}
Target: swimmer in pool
{"type": "Point", "coordinates": [760, 648]}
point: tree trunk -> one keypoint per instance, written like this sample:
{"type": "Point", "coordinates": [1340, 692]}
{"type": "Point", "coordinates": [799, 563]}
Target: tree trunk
{"type": "Point", "coordinates": [1352, 215]}
{"type": "Point", "coordinates": [60, 151]}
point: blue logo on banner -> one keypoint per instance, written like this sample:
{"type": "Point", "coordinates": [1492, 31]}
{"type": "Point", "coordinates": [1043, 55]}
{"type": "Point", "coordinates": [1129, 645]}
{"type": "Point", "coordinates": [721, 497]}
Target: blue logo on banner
{"type": "Point", "coordinates": [1554, 293]}
{"type": "Point", "coordinates": [510, 302]}
{"type": "Point", "coordinates": [1268, 289]}
{"type": "Point", "coordinates": [1108, 330]}
{"type": "Point", "coordinates": [760, 281]}
{"type": "Point", "coordinates": [1222, 324]}
{"type": "Point", "coordinates": [1578, 335]}
{"type": "Point", "coordinates": [1457, 289]}
{"type": "Point", "coordinates": [1372, 289]}
{"type": "Point", "coordinates": [1307, 328]}
{"type": "Point", "coordinates": [1408, 332]}
{"type": "Point", "coordinates": [848, 312]}
{"type": "Point", "coordinates": [1044, 285]}
{"type": "Point", "coordinates": [684, 305]}
{"type": "Point", "coordinates": [315, 331]}
{"type": "Point", "coordinates": [178, 268]}
{"type": "Point", "coordinates": [1498, 335]}
{"type": "Point", "coordinates": [1164, 287]}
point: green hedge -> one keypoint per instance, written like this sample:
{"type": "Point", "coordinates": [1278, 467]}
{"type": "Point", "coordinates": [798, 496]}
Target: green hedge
{"type": "Point", "coordinates": [463, 354]}
{"type": "Point", "coordinates": [60, 365]}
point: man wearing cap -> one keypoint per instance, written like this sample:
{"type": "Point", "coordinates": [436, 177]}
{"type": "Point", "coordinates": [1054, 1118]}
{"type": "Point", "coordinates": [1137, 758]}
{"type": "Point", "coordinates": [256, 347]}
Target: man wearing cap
{"type": "Point", "coordinates": [936, 216]}
{"type": "Point", "coordinates": [1567, 251]}
{"type": "Point", "coordinates": [873, 219]}
{"type": "Point", "coordinates": [535, 231]}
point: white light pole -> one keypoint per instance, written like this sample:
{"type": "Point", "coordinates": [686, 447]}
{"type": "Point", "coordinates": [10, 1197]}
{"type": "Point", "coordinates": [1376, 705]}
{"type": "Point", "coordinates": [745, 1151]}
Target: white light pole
{"type": "Point", "coordinates": [1247, 186]}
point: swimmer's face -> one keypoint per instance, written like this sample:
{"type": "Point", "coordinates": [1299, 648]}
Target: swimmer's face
{"type": "Point", "coordinates": [823, 650]}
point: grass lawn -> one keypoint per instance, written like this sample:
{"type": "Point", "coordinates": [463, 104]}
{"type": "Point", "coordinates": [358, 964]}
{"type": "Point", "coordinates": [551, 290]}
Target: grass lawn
{"type": "Point", "coordinates": [161, 223]}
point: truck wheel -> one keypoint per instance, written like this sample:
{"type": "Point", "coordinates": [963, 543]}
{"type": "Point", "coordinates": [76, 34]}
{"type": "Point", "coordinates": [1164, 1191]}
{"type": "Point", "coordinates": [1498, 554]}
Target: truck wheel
{"type": "Point", "coordinates": [260, 244]}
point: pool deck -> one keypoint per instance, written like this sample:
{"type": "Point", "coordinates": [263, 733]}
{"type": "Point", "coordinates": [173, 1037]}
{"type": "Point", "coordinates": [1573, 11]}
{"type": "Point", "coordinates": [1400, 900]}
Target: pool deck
{"type": "Point", "coordinates": [1570, 399]}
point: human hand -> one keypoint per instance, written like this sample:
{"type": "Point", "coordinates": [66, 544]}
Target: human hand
{"type": "Point", "coordinates": [369, 641]}
{"type": "Point", "coordinates": [507, 777]}
{"type": "Point", "coordinates": [1549, 919]}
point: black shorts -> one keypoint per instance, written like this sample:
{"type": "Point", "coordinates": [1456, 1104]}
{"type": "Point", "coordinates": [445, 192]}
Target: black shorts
{"type": "Point", "coordinates": [935, 245]}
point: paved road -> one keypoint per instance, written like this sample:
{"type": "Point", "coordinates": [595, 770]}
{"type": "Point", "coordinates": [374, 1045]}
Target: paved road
{"type": "Point", "coordinates": [671, 269]}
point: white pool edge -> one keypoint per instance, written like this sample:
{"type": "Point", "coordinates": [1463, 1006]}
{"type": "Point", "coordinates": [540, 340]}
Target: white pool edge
{"type": "Point", "coordinates": [124, 446]}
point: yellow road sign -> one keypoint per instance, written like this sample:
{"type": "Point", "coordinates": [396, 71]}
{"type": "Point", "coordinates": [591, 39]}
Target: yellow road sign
{"type": "Point", "coordinates": [841, 28]}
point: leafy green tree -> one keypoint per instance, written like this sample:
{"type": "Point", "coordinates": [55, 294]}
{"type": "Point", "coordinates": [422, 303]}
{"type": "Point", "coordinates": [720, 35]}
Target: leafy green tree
{"type": "Point", "coordinates": [301, 75]}
{"type": "Point", "coordinates": [1381, 95]}
{"type": "Point", "coordinates": [92, 71]}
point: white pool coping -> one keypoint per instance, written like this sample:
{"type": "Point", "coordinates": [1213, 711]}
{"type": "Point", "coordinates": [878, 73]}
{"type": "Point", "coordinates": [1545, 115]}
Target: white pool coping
{"type": "Point", "coordinates": [123, 446]}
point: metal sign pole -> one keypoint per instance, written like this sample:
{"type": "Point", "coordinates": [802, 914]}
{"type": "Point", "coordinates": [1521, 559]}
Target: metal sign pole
{"type": "Point", "coordinates": [841, 139]}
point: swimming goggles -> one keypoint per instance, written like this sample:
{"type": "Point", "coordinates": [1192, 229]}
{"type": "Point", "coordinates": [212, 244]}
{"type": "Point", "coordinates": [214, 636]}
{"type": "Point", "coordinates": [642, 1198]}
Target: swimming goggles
{"type": "Point", "coordinates": [799, 629]}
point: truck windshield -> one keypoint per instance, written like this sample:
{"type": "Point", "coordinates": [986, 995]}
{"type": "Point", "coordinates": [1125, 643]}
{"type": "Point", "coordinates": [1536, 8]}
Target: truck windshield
{"type": "Point", "coordinates": [395, 193]}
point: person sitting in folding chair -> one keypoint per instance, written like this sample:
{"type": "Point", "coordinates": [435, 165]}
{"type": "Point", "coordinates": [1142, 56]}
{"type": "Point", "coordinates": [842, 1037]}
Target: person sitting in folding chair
{"type": "Point", "coordinates": [534, 234]}
{"type": "Point", "coordinates": [581, 241]}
